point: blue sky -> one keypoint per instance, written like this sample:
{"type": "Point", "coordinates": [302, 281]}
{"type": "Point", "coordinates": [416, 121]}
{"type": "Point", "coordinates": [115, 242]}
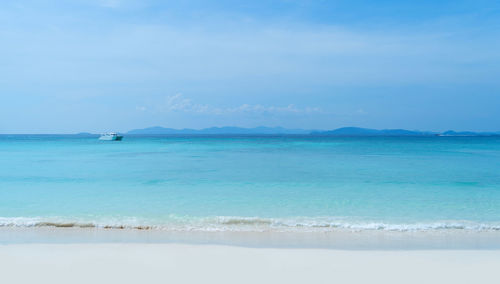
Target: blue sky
{"type": "Point", "coordinates": [115, 65]}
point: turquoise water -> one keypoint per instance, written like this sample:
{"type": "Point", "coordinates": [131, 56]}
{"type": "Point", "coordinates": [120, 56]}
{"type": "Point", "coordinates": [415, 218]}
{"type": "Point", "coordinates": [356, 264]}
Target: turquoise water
{"type": "Point", "coordinates": [252, 183]}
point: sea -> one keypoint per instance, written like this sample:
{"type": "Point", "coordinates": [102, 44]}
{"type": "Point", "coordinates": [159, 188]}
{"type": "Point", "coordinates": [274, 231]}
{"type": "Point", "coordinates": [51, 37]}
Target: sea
{"type": "Point", "coordinates": [287, 183]}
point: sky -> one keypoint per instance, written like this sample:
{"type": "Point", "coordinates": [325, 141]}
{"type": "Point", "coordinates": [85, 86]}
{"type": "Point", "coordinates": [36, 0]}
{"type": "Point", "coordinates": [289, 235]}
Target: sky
{"type": "Point", "coordinates": [116, 65]}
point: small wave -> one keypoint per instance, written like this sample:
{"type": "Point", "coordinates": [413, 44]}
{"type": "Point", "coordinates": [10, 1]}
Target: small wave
{"type": "Point", "coordinates": [247, 224]}
{"type": "Point", "coordinates": [243, 221]}
{"type": "Point", "coordinates": [41, 222]}
{"type": "Point", "coordinates": [64, 225]}
{"type": "Point", "coordinates": [327, 224]}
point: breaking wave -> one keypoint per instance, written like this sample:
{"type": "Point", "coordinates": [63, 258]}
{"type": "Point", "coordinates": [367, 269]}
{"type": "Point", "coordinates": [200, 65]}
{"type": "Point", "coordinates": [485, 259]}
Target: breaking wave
{"type": "Point", "coordinates": [245, 224]}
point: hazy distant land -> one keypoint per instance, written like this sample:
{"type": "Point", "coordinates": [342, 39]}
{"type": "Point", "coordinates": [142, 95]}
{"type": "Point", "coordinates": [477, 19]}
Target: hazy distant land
{"type": "Point", "coordinates": [220, 130]}
{"type": "Point", "coordinates": [344, 131]}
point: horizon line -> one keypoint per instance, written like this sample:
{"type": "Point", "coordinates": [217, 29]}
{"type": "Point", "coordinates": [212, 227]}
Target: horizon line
{"type": "Point", "coordinates": [311, 130]}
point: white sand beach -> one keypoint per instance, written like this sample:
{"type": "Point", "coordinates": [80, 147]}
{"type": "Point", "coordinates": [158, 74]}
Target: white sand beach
{"type": "Point", "coordinates": [183, 263]}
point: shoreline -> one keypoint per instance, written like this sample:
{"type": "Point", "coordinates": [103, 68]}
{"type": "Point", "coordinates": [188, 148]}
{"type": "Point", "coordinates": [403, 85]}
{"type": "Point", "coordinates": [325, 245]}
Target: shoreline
{"type": "Point", "coordinates": [333, 240]}
{"type": "Point", "coordinates": [182, 263]}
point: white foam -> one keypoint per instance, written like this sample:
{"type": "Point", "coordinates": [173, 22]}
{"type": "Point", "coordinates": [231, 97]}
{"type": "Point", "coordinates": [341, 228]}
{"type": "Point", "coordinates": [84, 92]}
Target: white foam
{"type": "Point", "coordinates": [249, 224]}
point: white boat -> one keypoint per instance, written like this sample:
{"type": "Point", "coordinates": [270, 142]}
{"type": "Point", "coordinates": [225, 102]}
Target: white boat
{"type": "Point", "coordinates": [111, 137]}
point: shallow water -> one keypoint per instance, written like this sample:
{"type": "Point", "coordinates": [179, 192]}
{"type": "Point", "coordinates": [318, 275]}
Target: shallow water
{"type": "Point", "coordinates": [250, 183]}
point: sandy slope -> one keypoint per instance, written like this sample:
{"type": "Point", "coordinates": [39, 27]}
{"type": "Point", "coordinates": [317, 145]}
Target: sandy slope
{"type": "Point", "coordinates": [179, 263]}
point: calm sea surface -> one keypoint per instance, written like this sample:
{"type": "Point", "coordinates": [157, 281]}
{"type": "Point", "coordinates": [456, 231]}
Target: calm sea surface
{"type": "Point", "coordinates": [251, 183]}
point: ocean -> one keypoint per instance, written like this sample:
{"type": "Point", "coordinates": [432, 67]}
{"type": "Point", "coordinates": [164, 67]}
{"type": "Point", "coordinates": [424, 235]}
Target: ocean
{"type": "Point", "coordinates": [251, 183]}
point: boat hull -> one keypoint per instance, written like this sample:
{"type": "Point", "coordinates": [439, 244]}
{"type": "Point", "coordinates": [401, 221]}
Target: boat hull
{"type": "Point", "coordinates": [111, 138]}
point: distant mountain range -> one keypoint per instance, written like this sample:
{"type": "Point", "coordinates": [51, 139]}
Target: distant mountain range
{"type": "Point", "coordinates": [356, 131]}
{"type": "Point", "coordinates": [344, 131]}
{"type": "Point", "coordinates": [219, 130]}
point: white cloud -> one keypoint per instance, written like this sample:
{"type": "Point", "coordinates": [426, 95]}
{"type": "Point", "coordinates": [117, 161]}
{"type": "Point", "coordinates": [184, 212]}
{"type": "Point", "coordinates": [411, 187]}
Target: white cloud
{"type": "Point", "coordinates": [179, 103]}
{"type": "Point", "coordinates": [246, 108]}
{"type": "Point", "coordinates": [361, 111]}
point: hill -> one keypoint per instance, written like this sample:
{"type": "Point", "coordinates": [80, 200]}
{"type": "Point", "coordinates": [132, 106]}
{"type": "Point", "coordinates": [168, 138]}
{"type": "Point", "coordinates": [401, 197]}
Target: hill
{"type": "Point", "coordinates": [217, 130]}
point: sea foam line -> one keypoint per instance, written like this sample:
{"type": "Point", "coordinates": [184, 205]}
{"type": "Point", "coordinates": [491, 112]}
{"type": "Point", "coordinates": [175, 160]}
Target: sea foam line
{"type": "Point", "coordinates": [248, 224]}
